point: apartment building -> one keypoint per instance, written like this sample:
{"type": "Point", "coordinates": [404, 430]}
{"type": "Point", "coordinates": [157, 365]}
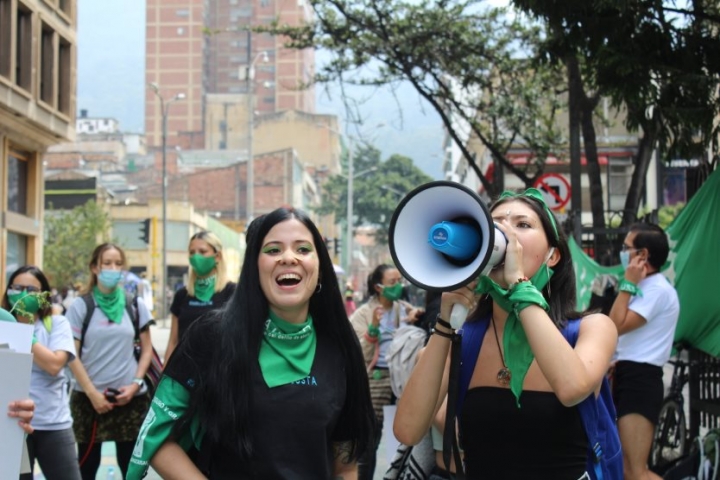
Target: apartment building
{"type": "Point", "coordinates": [37, 109]}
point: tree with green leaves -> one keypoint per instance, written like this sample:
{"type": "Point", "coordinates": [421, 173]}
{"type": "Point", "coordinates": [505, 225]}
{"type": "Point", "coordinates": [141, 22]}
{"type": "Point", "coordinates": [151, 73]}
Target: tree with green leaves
{"type": "Point", "coordinates": [655, 60]}
{"type": "Point", "coordinates": [375, 194]}
{"type": "Point", "coordinates": [472, 64]}
{"type": "Point", "coordinates": [70, 237]}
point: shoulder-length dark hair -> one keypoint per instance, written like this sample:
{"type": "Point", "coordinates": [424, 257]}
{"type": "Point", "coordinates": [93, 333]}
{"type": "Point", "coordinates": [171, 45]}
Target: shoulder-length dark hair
{"type": "Point", "coordinates": [224, 406]}
{"type": "Point", "coordinates": [44, 286]}
{"type": "Point", "coordinates": [560, 292]}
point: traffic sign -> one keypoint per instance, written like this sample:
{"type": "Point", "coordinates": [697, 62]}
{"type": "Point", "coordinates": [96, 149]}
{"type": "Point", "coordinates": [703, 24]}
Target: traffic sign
{"type": "Point", "coordinates": [555, 190]}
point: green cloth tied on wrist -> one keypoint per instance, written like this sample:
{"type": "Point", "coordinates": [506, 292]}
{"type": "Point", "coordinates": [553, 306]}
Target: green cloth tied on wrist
{"type": "Point", "coordinates": [518, 354]}
{"type": "Point", "coordinates": [373, 331]}
{"type": "Point", "coordinates": [631, 288]}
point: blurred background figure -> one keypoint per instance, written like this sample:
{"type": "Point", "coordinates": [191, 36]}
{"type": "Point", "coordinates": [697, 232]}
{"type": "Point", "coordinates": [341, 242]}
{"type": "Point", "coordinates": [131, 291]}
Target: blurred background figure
{"type": "Point", "coordinates": [52, 443]}
{"type": "Point", "coordinates": [110, 400]}
{"type": "Point", "coordinates": [145, 292]}
{"type": "Point", "coordinates": [350, 306]}
{"type": "Point", "coordinates": [208, 287]}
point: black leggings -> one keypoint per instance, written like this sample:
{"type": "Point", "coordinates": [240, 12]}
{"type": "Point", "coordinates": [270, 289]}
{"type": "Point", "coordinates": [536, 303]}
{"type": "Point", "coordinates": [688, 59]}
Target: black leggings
{"type": "Point", "coordinates": [89, 468]}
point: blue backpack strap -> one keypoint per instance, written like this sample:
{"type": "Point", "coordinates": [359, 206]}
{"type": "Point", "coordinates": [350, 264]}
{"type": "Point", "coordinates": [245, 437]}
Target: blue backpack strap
{"type": "Point", "coordinates": [472, 338]}
{"type": "Point", "coordinates": [589, 408]}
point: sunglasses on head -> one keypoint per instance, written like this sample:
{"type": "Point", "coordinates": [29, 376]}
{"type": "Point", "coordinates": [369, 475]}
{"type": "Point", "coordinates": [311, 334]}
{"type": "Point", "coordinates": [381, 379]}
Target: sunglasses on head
{"type": "Point", "coordinates": [24, 288]}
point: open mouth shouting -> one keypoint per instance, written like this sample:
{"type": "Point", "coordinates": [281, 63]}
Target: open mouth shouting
{"type": "Point", "coordinates": [288, 280]}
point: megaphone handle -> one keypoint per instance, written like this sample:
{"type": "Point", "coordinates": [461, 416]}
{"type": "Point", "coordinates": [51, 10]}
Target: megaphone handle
{"type": "Point", "coordinates": [458, 315]}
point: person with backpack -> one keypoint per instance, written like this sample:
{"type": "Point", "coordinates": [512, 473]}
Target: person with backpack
{"type": "Point", "coordinates": [110, 400]}
{"type": "Point", "coordinates": [376, 323]}
{"type": "Point", "coordinates": [208, 286]}
{"type": "Point", "coordinates": [52, 443]}
{"type": "Point", "coordinates": [526, 380]}
{"type": "Point", "coordinates": [646, 313]}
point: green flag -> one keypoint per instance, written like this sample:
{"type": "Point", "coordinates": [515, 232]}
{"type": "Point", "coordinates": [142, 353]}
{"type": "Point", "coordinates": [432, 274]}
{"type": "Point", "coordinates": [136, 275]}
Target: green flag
{"type": "Point", "coordinates": [586, 271]}
{"type": "Point", "coordinates": [694, 260]}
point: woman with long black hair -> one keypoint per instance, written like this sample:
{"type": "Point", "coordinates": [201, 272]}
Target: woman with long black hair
{"type": "Point", "coordinates": [273, 385]}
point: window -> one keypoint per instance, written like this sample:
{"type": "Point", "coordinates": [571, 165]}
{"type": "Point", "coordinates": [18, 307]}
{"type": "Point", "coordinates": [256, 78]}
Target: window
{"type": "Point", "coordinates": [180, 31]}
{"type": "Point", "coordinates": [17, 182]}
{"type": "Point", "coordinates": [64, 67]}
{"type": "Point", "coordinates": [64, 6]}
{"type": "Point", "coordinates": [16, 252]}
{"type": "Point", "coordinates": [23, 48]}
{"type": "Point", "coordinates": [619, 177]}
{"type": "Point", "coordinates": [47, 64]}
{"type": "Point", "coordinates": [5, 37]}
{"type": "Point", "coordinates": [182, 13]}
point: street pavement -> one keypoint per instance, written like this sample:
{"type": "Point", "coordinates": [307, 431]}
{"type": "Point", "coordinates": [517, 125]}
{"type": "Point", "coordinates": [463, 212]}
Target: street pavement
{"type": "Point", "coordinates": [160, 333]}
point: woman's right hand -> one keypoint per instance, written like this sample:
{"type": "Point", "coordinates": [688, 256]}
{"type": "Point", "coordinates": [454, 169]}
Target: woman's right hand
{"type": "Point", "coordinates": [464, 296]}
{"type": "Point", "coordinates": [99, 402]}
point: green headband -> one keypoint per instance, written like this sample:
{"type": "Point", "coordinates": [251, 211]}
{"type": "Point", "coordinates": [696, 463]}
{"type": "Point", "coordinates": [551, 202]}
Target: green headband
{"type": "Point", "coordinates": [535, 194]}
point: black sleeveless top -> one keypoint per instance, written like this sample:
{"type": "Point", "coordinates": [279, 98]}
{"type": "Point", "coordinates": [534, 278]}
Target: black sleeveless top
{"type": "Point", "coordinates": [540, 440]}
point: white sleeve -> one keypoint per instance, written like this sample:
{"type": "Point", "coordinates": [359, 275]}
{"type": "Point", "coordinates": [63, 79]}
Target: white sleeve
{"type": "Point", "coordinates": [143, 314]}
{"type": "Point", "coordinates": [61, 338]}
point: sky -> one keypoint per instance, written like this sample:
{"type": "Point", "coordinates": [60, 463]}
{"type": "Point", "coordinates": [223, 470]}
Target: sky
{"type": "Point", "coordinates": [111, 64]}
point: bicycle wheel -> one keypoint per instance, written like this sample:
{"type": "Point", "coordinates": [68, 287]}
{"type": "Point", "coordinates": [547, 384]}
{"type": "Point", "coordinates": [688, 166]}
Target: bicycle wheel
{"type": "Point", "coordinates": [670, 440]}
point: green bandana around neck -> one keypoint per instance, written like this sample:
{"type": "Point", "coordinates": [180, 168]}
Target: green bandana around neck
{"type": "Point", "coordinates": [536, 195]}
{"type": "Point", "coordinates": [112, 304]}
{"type": "Point", "coordinates": [518, 355]}
{"type": "Point", "coordinates": [287, 350]}
{"type": "Point", "coordinates": [205, 288]}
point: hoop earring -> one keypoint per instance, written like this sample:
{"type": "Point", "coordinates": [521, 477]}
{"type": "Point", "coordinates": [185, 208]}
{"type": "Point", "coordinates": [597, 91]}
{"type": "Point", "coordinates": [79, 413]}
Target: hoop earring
{"type": "Point", "coordinates": [318, 289]}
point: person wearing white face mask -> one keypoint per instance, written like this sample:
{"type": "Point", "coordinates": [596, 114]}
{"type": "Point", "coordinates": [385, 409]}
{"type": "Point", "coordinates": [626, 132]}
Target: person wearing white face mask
{"type": "Point", "coordinates": [110, 398]}
{"type": "Point", "coordinates": [645, 313]}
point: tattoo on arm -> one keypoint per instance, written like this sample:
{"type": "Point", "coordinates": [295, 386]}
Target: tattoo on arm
{"type": "Point", "coordinates": [342, 451]}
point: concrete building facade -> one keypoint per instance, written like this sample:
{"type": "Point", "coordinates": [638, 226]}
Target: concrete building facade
{"type": "Point", "coordinates": [202, 48]}
{"type": "Point", "coordinates": [37, 109]}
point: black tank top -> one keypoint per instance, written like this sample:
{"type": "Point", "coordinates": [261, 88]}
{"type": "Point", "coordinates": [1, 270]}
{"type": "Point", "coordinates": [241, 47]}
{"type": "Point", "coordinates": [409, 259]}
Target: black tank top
{"type": "Point", "coordinates": [541, 440]}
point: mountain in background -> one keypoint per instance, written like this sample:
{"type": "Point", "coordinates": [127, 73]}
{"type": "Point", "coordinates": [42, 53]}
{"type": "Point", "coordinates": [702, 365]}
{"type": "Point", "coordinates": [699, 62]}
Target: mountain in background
{"type": "Point", "coordinates": [111, 77]}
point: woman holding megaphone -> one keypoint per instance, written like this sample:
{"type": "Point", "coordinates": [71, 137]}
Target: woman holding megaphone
{"type": "Point", "coordinates": [517, 414]}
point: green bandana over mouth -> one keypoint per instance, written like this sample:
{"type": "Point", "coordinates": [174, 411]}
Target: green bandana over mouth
{"type": "Point", "coordinates": [112, 304]}
{"type": "Point", "coordinates": [287, 350]}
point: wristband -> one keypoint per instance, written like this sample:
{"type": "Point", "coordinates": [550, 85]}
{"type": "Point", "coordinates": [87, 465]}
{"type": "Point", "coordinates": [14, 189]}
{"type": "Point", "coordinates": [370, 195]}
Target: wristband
{"type": "Point", "coordinates": [373, 331]}
{"type": "Point", "coordinates": [629, 287]}
{"type": "Point", "coordinates": [525, 294]}
{"type": "Point", "coordinates": [34, 340]}
{"type": "Point", "coordinates": [452, 336]}
{"type": "Point", "coordinates": [443, 323]}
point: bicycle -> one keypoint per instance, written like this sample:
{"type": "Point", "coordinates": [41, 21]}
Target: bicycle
{"type": "Point", "coordinates": [671, 439]}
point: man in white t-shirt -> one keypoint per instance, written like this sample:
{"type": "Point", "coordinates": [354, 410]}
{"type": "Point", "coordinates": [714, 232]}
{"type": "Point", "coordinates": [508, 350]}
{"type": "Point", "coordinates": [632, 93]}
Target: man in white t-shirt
{"type": "Point", "coordinates": [645, 313]}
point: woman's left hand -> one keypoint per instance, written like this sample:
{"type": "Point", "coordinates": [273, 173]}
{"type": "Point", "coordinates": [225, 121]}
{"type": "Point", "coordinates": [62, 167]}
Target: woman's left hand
{"type": "Point", "coordinates": [23, 410]}
{"type": "Point", "coordinates": [127, 393]}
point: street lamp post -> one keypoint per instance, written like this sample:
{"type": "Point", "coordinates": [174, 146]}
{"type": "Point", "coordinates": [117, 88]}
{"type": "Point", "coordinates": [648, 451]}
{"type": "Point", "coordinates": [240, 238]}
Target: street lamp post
{"type": "Point", "coordinates": [164, 108]}
{"type": "Point", "coordinates": [250, 74]}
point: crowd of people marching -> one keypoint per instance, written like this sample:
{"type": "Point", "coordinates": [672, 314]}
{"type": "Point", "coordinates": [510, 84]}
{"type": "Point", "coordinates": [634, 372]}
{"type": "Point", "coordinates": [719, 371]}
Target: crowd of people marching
{"type": "Point", "coordinates": [281, 375]}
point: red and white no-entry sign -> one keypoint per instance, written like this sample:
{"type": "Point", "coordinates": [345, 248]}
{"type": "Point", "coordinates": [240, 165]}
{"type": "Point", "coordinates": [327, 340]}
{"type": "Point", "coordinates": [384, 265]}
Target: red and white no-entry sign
{"type": "Point", "coordinates": [555, 189]}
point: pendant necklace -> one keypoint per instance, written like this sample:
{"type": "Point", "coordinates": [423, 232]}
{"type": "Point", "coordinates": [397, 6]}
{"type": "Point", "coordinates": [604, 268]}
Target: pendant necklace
{"type": "Point", "coordinates": [503, 375]}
